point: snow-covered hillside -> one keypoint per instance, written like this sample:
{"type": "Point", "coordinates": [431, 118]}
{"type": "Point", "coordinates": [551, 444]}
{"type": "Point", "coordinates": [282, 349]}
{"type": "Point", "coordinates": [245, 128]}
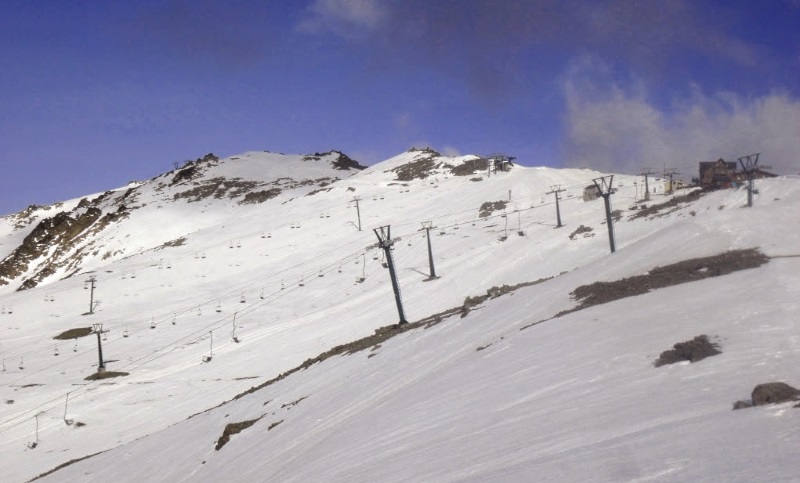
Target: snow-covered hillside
{"type": "Point", "coordinates": [510, 387]}
{"type": "Point", "coordinates": [43, 244]}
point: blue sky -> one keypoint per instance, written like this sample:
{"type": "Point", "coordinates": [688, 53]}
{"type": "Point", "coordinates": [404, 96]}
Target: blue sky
{"type": "Point", "coordinates": [98, 93]}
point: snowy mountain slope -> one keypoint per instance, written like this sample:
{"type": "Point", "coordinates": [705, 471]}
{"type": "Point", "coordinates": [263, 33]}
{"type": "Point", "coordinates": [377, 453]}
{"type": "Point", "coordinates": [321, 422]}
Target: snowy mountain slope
{"type": "Point", "coordinates": [573, 399]}
{"type": "Point", "coordinates": [48, 243]}
{"type": "Point", "coordinates": [258, 249]}
{"type": "Point", "coordinates": [431, 407]}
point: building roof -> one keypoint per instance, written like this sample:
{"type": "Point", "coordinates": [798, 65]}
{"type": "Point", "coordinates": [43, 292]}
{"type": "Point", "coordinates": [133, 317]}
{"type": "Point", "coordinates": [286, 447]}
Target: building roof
{"type": "Point", "coordinates": [704, 165]}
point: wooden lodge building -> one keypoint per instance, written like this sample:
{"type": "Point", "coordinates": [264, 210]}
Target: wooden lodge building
{"type": "Point", "coordinates": [721, 174]}
{"type": "Point", "coordinates": [717, 174]}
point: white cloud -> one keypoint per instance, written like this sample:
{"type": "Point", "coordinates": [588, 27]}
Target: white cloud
{"type": "Point", "coordinates": [402, 120]}
{"type": "Point", "coordinates": [450, 151]}
{"type": "Point", "coordinates": [615, 127]}
{"type": "Point", "coordinates": [346, 18]}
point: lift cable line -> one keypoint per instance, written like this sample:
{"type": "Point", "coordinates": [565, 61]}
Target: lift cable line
{"type": "Point", "coordinates": [385, 242]}
{"type": "Point", "coordinates": [214, 324]}
{"type": "Point", "coordinates": [604, 189]}
{"type": "Point", "coordinates": [454, 224]}
{"type": "Point", "coordinates": [164, 317]}
{"type": "Point", "coordinates": [153, 262]}
{"type": "Point", "coordinates": [131, 365]}
{"type": "Point", "coordinates": [260, 283]}
{"type": "Point", "coordinates": [173, 345]}
{"type": "Point", "coordinates": [78, 355]}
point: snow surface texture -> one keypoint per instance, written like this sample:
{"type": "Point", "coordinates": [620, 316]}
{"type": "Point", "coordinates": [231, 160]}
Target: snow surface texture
{"type": "Point", "coordinates": [573, 398]}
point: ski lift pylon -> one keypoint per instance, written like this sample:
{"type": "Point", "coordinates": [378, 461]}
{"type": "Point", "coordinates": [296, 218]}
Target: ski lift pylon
{"type": "Point", "coordinates": [211, 349]}
{"type": "Point", "coordinates": [233, 333]}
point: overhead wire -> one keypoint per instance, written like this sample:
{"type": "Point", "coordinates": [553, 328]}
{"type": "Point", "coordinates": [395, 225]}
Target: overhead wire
{"type": "Point", "coordinates": [251, 284]}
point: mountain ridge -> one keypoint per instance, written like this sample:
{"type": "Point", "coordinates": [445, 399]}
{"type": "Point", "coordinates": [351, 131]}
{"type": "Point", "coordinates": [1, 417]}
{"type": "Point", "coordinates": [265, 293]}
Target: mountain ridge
{"type": "Point", "coordinates": [72, 230]}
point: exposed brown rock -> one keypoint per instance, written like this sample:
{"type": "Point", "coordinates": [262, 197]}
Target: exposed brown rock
{"type": "Point", "coordinates": [770, 393]}
{"type": "Point", "coordinates": [260, 196]}
{"type": "Point", "coordinates": [774, 393]}
{"type": "Point", "coordinates": [104, 375]}
{"type": "Point", "coordinates": [673, 274]}
{"type": "Point", "coordinates": [231, 429]}
{"type": "Point", "coordinates": [586, 231]}
{"type": "Point", "coordinates": [470, 166]}
{"type": "Point", "coordinates": [59, 231]}
{"type": "Point", "coordinates": [74, 333]}
{"type": "Point", "coordinates": [417, 169]}
{"type": "Point", "coordinates": [671, 205]}
{"type": "Point", "coordinates": [490, 207]}
{"type": "Point", "coordinates": [692, 350]}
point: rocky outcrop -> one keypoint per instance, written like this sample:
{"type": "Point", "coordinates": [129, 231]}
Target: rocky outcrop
{"type": "Point", "coordinates": [468, 167]}
{"type": "Point", "coordinates": [344, 162]}
{"type": "Point", "coordinates": [692, 350]}
{"type": "Point", "coordinates": [770, 393]}
{"type": "Point", "coordinates": [341, 162]}
{"type": "Point", "coordinates": [421, 168]}
{"type": "Point", "coordinates": [59, 242]}
{"type": "Point", "coordinates": [59, 230]}
{"type": "Point", "coordinates": [194, 169]}
{"type": "Point", "coordinates": [490, 207]}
